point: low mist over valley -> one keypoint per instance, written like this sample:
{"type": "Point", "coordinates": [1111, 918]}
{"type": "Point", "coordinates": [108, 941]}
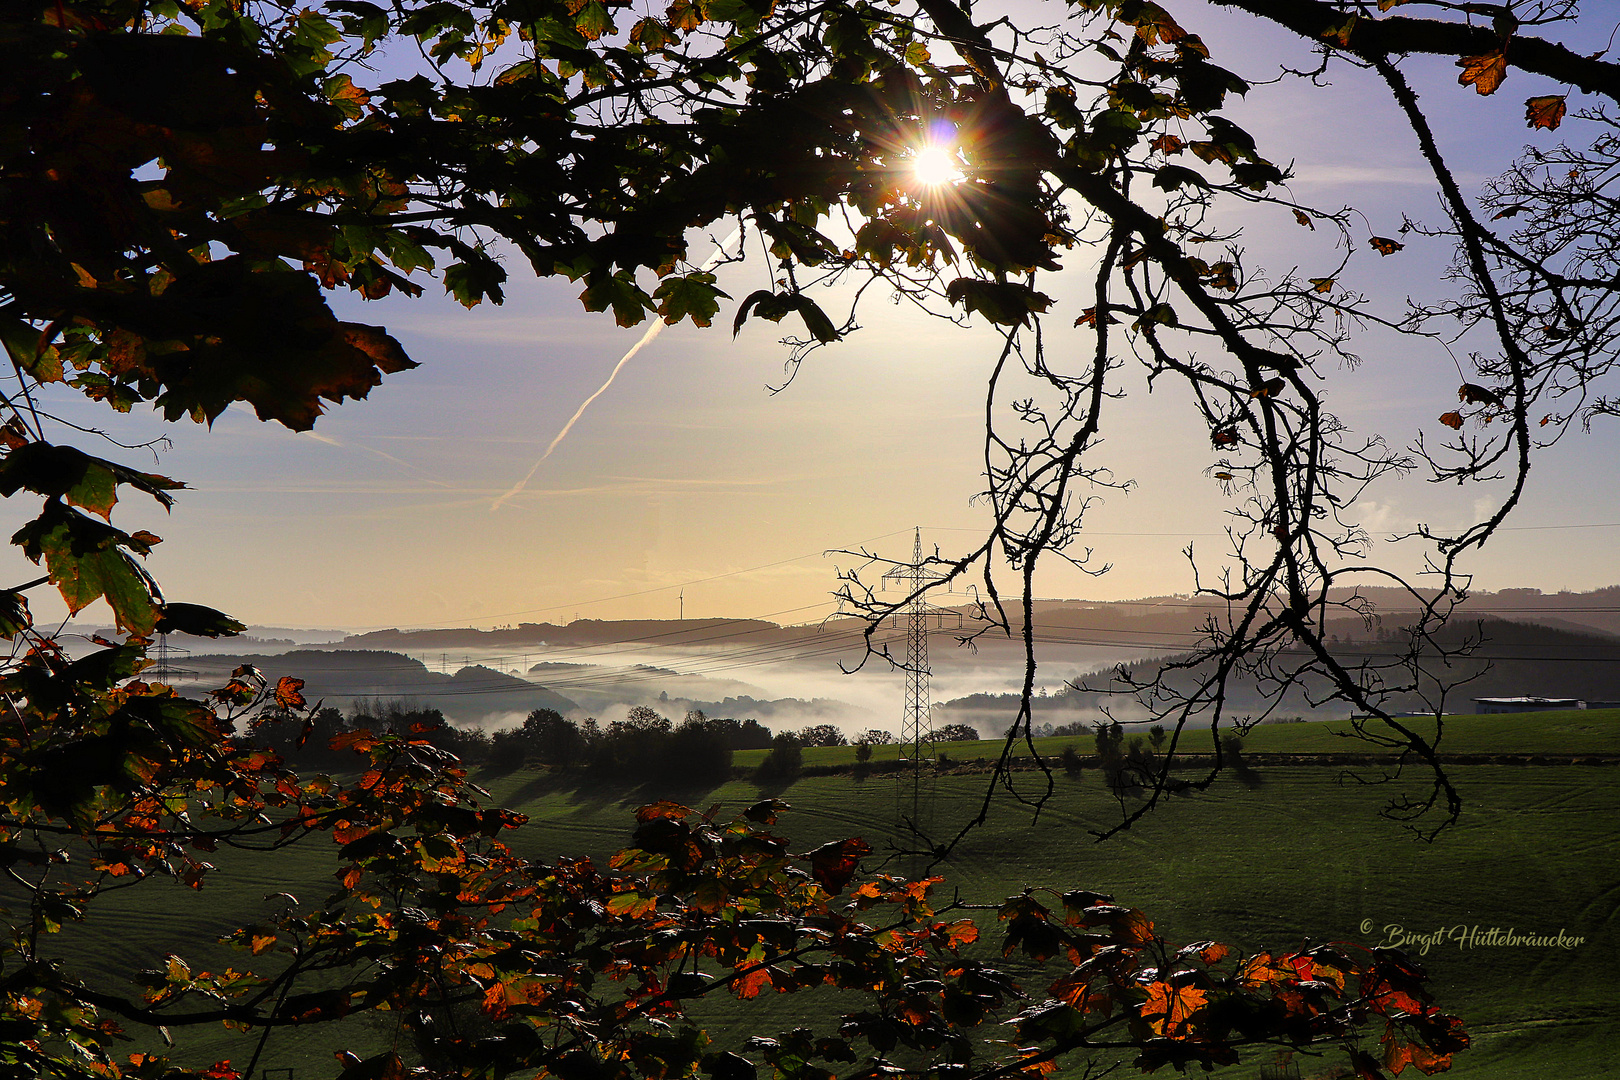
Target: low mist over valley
{"type": "Point", "coordinates": [792, 677]}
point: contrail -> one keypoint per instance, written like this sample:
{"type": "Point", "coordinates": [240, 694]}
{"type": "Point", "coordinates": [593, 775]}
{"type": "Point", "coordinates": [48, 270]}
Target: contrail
{"type": "Point", "coordinates": [652, 332]}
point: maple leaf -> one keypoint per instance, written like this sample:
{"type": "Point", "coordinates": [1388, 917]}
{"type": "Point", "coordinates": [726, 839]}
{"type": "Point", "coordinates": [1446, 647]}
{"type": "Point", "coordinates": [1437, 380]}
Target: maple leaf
{"type": "Point", "coordinates": [683, 15]}
{"type": "Point", "coordinates": [1385, 245]}
{"type": "Point", "coordinates": [1168, 1007]}
{"type": "Point", "coordinates": [1484, 72]}
{"type": "Point", "coordinates": [832, 865]}
{"type": "Point", "coordinates": [1545, 112]}
{"type": "Point", "coordinates": [288, 694]}
{"type": "Point", "coordinates": [748, 984]}
{"type": "Point", "coordinates": [1154, 26]}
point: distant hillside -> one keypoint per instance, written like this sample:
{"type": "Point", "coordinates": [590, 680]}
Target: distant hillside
{"type": "Point", "coordinates": [471, 695]}
{"type": "Point", "coordinates": [673, 632]}
{"type": "Point", "coordinates": [1509, 659]}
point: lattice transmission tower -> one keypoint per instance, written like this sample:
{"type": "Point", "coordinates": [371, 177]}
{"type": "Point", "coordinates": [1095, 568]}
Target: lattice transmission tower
{"type": "Point", "coordinates": [916, 723]}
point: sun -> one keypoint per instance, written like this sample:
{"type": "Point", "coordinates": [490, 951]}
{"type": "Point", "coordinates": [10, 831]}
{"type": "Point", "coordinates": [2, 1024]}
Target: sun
{"type": "Point", "coordinates": [934, 165]}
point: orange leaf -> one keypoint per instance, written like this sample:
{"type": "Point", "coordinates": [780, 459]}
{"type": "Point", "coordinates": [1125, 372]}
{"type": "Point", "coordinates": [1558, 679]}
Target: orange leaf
{"type": "Point", "coordinates": [959, 933]}
{"type": "Point", "coordinates": [262, 943]}
{"type": "Point", "coordinates": [1304, 219]}
{"type": "Point", "coordinates": [750, 984]}
{"type": "Point", "coordinates": [287, 693]}
{"type": "Point", "coordinates": [1154, 25]}
{"type": "Point", "coordinates": [1168, 1007]}
{"type": "Point", "coordinates": [359, 741]}
{"type": "Point", "coordinates": [1210, 952]}
{"type": "Point", "coordinates": [1452, 419]}
{"type": "Point", "coordinates": [1385, 245]}
{"type": "Point", "coordinates": [1545, 112]}
{"type": "Point", "coordinates": [1265, 970]}
{"type": "Point", "coordinates": [1167, 144]}
{"type": "Point", "coordinates": [1484, 72]}
{"type": "Point", "coordinates": [661, 811]}
{"type": "Point", "coordinates": [1322, 284]}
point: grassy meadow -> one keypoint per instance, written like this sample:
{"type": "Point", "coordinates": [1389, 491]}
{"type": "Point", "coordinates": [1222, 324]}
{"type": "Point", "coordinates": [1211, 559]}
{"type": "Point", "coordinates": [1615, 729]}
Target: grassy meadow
{"type": "Point", "coordinates": [1303, 855]}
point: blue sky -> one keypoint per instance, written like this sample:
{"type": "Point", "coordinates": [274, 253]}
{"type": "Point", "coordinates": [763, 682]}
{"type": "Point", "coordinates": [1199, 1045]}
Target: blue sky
{"type": "Point", "coordinates": [688, 475]}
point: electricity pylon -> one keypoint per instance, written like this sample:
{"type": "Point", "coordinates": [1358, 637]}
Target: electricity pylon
{"type": "Point", "coordinates": [916, 723]}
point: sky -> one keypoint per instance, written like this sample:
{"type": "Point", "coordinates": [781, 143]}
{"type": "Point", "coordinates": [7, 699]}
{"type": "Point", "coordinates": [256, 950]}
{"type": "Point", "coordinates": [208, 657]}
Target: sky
{"type": "Point", "coordinates": [689, 487]}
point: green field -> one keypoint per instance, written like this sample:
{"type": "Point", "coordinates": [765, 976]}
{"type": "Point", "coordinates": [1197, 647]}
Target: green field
{"type": "Point", "coordinates": [1573, 733]}
{"type": "Point", "coordinates": [1300, 856]}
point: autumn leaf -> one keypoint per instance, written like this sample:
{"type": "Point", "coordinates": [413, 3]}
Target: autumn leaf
{"type": "Point", "coordinates": [1265, 970]}
{"type": "Point", "coordinates": [1270, 388]}
{"type": "Point", "coordinates": [1209, 952]}
{"type": "Point", "coordinates": [832, 865]}
{"type": "Point", "coordinates": [1304, 219]}
{"type": "Point", "coordinates": [748, 984]}
{"type": "Point", "coordinates": [1385, 245]}
{"type": "Point", "coordinates": [1545, 112]}
{"type": "Point", "coordinates": [631, 905]}
{"type": "Point", "coordinates": [1452, 419]}
{"type": "Point", "coordinates": [1484, 72]}
{"type": "Point", "coordinates": [683, 15]}
{"type": "Point", "coordinates": [1167, 144]}
{"type": "Point", "coordinates": [664, 810]}
{"type": "Point", "coordinates": [1168, 1007]}
{"type": "Point", "coordinates": [1398, 1054]}
{"type": "Point", "coordinates": [288, 693]}
{"type": "Point", "coordinates": [1479, 395]}
{"type": "Point", "coordinates": [1154, 26]}
{"type": "Point", "coordinates": [87, 563]}
{"type": "Point", "coordinates": [1340, 33]}
{"type": "Point", "coordinates": [360, 742]}
{"type": "Point", "coordinates": [1224, 437]}
{"type": "Point", "coordinates": [1322, 284]}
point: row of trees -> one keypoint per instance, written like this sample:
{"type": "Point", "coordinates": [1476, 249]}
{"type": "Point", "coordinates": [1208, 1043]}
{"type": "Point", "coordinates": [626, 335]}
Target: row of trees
{"type": "Point", "coordinates": [644, 746]}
